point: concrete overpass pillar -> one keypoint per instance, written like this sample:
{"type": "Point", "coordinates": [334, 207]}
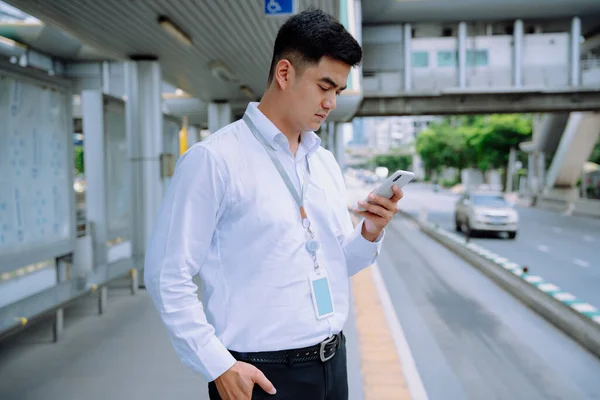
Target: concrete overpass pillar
{"type": "Point", "coordinates": [575, 72]}
{"type": "Point", "coordinates": [219, 115]}
{"type": "Point", "coordinates": [407, 44]}
{"type": "Point", "coordinates": [576, 145]}
{"type": "Point", "coordinates": [462, 54]}
{"type": "Point", "coordinates": [517, 66]}
{"type": "Point", "coordinates": [339, 144]}
{"type": "Point", "coordinates": [143, 83]}
{"type": "Point", "coordinates": [331, 137]}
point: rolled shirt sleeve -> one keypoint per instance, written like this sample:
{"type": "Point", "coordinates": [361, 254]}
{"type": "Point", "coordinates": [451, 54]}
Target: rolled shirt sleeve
{"type": "Point", "coordinates": [359, 252]}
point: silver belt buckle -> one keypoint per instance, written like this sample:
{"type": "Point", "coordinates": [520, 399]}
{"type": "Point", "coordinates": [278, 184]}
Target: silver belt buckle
{"type": "Point", "coordinates": [322, 349]}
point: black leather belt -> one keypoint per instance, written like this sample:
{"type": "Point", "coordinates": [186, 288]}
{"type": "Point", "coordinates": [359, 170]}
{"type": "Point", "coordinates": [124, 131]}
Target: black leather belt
{"type": "Point", "coordinates": [323, 351]}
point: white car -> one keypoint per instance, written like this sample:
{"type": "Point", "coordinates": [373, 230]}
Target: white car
{"type": "Point", "coordinates": [485, 211]}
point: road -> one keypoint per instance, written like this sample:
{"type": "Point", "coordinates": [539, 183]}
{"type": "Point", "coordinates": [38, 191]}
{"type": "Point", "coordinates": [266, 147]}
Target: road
{"type": "Point", "coordinates": [562, 249]}
{"type": "Point", "coordinates": [469, 338]}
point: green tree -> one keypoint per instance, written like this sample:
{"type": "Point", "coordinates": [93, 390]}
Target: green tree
{"type": "Point", "coordinates": [445, 144]}
{"type": "Point", "coordinates": [476, 141]}
{"type": "Point", "coordinates": [429, 147]}
{"type": "Point", "coordinates": [595, 156]}
{"type": "Point", "coordinates": [79, 166]}
{"type": "Point", "coordinates": [392, 162]}
{"type": "Point", "coordinates": [495, 135]}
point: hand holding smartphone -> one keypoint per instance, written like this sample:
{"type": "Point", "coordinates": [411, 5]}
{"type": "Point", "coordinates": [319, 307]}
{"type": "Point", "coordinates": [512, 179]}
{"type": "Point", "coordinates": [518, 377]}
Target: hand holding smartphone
{"type": "Point", "coordinates": [399, 178]}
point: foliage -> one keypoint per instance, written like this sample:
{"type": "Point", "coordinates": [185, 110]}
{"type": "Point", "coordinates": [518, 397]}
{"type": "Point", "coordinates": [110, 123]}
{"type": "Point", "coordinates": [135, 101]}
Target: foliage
{"type": "Point", "coordinates": [482, 142]}
{"type": "Point", "coordinates": [393, 162]}
{"type": "Point", "coordinates": [79, 166]}
{"type": "Point", "coordinates": [595, 156]}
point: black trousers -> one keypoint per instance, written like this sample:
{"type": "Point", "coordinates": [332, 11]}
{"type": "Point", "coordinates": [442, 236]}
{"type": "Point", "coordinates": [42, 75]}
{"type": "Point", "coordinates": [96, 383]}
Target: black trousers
{"type": "Point", "coordinates": [311, 380]}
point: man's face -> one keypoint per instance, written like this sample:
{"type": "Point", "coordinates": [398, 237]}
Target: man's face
{"type": "Point", "coordinates": [312, 94]}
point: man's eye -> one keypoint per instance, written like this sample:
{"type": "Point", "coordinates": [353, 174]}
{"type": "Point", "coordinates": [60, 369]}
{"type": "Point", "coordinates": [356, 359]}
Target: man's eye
{"type": "Point", "coordinates": [323, 88]}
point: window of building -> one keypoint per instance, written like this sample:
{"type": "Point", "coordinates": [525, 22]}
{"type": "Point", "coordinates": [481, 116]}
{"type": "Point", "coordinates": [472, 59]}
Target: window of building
{"type": "Point", "coordinates": [447, 32]}
{"type": "Point", "coordinates": [420, 59]}
{"type": "Point", "coordinates": [446, 58]}
{"type": "Point", "coordinates": [477, 58]}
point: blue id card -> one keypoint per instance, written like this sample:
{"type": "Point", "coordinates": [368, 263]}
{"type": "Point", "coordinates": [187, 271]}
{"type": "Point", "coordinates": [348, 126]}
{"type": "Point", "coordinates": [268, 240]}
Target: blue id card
{"type": "Point", "coordinates": [321, 294]}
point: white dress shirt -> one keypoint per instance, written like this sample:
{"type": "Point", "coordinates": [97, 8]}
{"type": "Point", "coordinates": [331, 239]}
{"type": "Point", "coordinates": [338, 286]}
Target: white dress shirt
{"type": "Point", "coordinates": [229, 217]}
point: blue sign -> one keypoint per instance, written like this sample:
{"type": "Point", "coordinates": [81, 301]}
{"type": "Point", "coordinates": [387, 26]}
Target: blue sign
{"type": "Point", "coordinates": [280, 7]}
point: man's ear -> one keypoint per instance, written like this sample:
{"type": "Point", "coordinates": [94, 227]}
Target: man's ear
{"type": "Point", "coordinates": [284, 74]}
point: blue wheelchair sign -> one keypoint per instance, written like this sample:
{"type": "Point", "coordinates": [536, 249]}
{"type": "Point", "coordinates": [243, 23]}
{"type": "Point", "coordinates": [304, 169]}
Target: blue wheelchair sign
{"type": "Point", "coordinates": [280, 7]}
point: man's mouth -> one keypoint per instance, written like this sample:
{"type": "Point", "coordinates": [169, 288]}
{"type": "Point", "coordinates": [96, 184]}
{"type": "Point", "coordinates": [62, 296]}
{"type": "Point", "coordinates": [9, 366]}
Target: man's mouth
{"type": "Point", "coordinates": [322, 116]}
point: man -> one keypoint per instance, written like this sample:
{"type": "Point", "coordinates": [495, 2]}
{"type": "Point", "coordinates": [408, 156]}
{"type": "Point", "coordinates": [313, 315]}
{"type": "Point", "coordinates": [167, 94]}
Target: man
{"type": "Point", "coordinates": [258, 210]}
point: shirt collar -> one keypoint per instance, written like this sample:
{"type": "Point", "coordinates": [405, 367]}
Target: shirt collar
{"type": "Point", "coordinates": [310, 141]}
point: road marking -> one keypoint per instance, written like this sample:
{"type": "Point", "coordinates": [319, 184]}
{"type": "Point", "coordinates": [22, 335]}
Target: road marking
{"type": "Point", "coordinates": [548, 287]}
{"type": "Point", "coordinates": [581, 263]}
{"type": "Point", "coordinates": [543, 248]}
{"type": "Point", "coordinates": [556, 229]}
{"type": "Point", "coordinates": [534, 279]}
{"type": "Point", "coordinates": [584, 307]}
{"type": "Point", "coordinates": [564, 296]}
{"type": "Point", "coordinates": [588, 238]}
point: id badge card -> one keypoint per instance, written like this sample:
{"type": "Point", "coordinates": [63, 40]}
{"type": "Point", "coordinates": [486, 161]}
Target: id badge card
{"type": "Point", "coordinates": [321, 294]}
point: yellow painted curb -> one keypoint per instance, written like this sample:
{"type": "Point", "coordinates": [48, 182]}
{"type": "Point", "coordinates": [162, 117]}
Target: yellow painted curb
{"type": "Point", "coordinates": [383, 378]}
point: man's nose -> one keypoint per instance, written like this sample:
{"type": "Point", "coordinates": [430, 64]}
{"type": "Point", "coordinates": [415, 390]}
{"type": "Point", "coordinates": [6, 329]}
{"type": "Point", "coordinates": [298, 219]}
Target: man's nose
{"type": "Point", "coordinates": [330, 103]}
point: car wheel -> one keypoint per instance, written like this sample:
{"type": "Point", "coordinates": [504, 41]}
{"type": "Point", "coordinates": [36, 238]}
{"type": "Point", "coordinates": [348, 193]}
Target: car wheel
{"type": "Point", "coordinates": [465, 228]}
{"type": "Point", "coordinates": [512, 235]}
{"type": "Point", "coordinates": [457, 225]}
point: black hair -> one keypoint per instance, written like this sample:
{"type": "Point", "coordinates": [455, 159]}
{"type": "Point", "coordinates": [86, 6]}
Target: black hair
{"type": "Point", "coordinates": [310, 35]}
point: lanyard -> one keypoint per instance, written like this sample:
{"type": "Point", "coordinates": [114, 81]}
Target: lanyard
{"type": "Point", "coordinates": [312, 245]}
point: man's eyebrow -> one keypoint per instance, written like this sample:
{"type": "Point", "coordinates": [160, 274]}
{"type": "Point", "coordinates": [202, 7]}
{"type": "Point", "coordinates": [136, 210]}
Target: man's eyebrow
{"type": "Point", "coordinates": [332, 83]}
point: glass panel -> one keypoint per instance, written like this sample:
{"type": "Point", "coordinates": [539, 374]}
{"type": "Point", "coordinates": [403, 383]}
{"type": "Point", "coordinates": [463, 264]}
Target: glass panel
{"type": "Point", "coordinates": [477, 58]}
{"type": "Point", "coordinates": [420, 59]}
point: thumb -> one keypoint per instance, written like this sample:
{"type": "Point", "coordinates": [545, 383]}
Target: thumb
{"type": "Point", "coordinates": [263, 382]}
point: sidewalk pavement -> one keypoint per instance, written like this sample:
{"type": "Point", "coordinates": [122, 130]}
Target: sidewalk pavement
{"type": "Point", "coordinates": [125, 353]}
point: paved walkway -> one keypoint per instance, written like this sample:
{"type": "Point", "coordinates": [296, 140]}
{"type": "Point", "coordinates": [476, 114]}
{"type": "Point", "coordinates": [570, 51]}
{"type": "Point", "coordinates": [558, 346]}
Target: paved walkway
{"type": "Point", "coordinates": [126, 354]}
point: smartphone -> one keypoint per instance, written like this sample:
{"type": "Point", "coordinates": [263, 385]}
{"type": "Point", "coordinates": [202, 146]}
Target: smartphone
{"type": "Point", "coordinates": [399, 178]}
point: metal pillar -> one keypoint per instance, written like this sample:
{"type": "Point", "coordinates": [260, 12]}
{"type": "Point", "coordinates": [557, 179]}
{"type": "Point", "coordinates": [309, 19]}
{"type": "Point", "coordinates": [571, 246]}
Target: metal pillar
{"type": "Point", "coordinates": [58, 327]}
{"type": "Point", "coordinates": [517, 65]}
{"type": "Point", "coordinates": [512, 160]}
{"type": "Point", "coordinates": [575, 72]}
{"type": "Point", "coordinates": [62, 275]}
{"type": "Point", "coordinates": [462, 54]}
{"type": "Point", "coordinates": [102, 300]}
{"type": "Point", "coordinates": [219, 115]}
{"type": "Point", "coordinates": [193, 135]}
{"type": "Point", "coordinates": [145, 146]}
{"type": "Point", "coordinates": [531, 173]}
{"type": "Point", "coordinates": [407, 40]}
{"type": "Point", "coordinates": [92, 104]}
